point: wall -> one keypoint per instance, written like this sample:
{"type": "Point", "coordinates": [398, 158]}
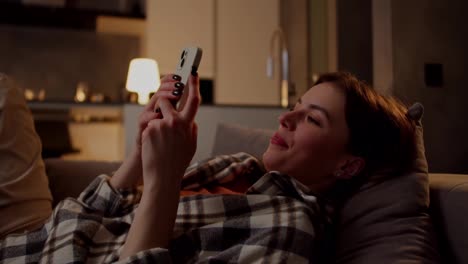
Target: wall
{"type": "Point", "coordinates": [318, 37]}
{"type": "Point", "coordinates": [56, 60]}
{"type": "Point", "coordinates": [382, 49]}
{"type": "Point", "coordinates": [322, 37]}
{"type": "Point", "coordinates": [433, 31]}
{"type": "Point", "coordinates": [355, 37]}
{"type": "Point", "coordinates": [294, 20]}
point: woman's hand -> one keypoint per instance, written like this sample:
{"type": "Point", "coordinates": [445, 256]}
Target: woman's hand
{"type": "Point", "coordinates": [169, 141]}
{"type": "Point", "coordinates": [130, 172]}
{"type": "Point", "coordinates": [168, 145]}
{"type": "Point", "coordinates": [170, 89]}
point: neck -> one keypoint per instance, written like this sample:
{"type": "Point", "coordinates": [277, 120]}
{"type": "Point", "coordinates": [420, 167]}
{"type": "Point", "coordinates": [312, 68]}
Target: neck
{"type": "Point", "coordinates": [324, 187]}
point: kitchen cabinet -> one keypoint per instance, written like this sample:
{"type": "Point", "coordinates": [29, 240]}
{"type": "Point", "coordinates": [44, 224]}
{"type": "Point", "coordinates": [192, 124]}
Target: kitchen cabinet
{"type": "Point", "coordinates": [234, 35]}
{"type": "Point", "coordinates": [243, 32]}
{"type": "Point", "coordinates": [80, 131]}
{"type": "Point", "coordinates": [175, 24]}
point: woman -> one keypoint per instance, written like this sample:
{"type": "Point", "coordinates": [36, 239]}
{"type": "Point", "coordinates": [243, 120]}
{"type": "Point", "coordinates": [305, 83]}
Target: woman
{"type": "Point", "coordinates": [230, 208]}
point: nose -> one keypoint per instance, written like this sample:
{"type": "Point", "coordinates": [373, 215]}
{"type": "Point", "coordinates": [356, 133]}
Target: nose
{"type": "Point", "coordinates": [288, 120]}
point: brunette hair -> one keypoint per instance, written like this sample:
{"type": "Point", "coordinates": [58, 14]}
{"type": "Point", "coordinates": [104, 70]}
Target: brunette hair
{"type": "Point", "coordinates": [379, 130]}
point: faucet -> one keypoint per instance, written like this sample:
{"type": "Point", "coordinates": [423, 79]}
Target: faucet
{"type": "Point", "coordinates": [284, 64]}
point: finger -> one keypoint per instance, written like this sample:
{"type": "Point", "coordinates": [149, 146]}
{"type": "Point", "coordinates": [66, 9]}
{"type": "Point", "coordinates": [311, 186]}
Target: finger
{"type": "Point", "coordinates": [148, 116]}
{"type": "Point", "coordinates": [174, 87]}
{"type": "Point", "coordinates": [167, 83]}
{"type": "Point", "coordinates": [167, 86]}
{"type": "Point", "coordinates": [170, 77]}
{"type": "Point", "coordinates": [171, 84]}
{"type": "Point", "coordinates": [167, 109]}
{"type": "Point", "coordinates": [170, 95]}
{"type": "Point", "coordinates": [152, 102]}
{"type": "Point", "coordinates": [193, 99]}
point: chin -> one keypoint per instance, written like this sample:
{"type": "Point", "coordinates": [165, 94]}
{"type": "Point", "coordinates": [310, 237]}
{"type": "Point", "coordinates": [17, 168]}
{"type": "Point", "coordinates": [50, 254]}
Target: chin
{"type": "Point", "coordinates": [270, 160]}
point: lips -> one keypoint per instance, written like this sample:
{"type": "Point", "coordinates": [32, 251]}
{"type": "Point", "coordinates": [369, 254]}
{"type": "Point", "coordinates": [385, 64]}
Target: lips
{"type": "Point", "coordinates": [278, 140]}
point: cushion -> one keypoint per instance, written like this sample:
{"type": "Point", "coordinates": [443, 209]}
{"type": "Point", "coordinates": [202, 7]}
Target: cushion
{"type": "Point", "coordinates": [388, 221]}
{"type": "Point", "coordinates": [25, 199]}
{"type": "Point", "coordinates": [374, 222]}
{"type": "Point", "coordinates": [232, 139]}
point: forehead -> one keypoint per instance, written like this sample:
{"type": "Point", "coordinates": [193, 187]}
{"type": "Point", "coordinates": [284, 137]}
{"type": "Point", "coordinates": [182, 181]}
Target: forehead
{"type": "Point", "coordinates": [326, 95]}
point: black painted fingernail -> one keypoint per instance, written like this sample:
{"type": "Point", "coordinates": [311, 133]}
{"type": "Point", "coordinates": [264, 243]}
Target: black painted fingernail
{"type": "Point", "coordinates": [194, 73]}
{"type": "Point", "coordinates": [157, 110]}
{"type": "Point", "coordinates": [179, 85]}
{"type": "Point", "coordinates": [177, 92]}
{"type": "Point", "coordinates": [176, 77]}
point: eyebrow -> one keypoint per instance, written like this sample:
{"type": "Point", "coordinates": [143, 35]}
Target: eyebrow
{"type": "Point", "coordinates": [317, 107]}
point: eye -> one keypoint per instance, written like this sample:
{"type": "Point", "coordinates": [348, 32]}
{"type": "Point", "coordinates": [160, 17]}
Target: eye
{"type": "Point", "coordinates": [310, 119]}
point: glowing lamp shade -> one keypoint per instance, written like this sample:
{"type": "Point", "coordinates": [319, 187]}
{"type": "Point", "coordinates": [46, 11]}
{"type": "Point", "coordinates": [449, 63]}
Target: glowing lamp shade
{"type": "Point", "coordinates": [143, 78]}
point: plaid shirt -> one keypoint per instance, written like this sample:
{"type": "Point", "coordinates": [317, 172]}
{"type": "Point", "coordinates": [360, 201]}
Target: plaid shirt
{"type": "Point", "coordinates": [276, 221]}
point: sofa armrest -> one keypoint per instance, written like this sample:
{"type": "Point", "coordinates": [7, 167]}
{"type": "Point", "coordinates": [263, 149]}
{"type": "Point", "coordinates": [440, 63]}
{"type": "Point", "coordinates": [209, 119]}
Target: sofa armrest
{"type": "Point", "coordinates": [449, 209]}
{"type": "Point", "coordinates": [68, 178]}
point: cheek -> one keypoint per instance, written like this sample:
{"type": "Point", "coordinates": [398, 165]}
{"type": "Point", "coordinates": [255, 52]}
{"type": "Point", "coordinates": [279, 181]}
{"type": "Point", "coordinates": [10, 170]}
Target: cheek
{"type": "Point", "coordinates": [316, 153]}
{"type": "Point", "coordinates": [310, 144]}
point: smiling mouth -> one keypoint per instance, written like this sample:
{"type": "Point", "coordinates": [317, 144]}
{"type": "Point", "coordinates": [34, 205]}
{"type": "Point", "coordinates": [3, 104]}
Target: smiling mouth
{"type": "Point", "coordinates": [277, 140]}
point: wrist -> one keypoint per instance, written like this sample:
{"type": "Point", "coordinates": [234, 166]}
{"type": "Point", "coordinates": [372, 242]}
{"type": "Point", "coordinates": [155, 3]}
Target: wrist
{"type": "Point", "coordinates": [129, 173]}
{"type": "Point", "coordinates": [161, 192]}
{"type": "Point", "coordinates": [155, 181]}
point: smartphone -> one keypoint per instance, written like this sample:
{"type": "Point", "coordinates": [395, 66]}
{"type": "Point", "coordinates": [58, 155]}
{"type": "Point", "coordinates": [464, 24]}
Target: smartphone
{"type": "Point", "coordinates": [189, 61]}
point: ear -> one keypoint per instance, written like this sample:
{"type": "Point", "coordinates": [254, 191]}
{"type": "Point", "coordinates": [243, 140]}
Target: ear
{"type": "Point", "coordinates": [351, 167]}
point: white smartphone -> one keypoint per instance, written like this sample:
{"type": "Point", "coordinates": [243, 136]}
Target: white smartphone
{"type": "Point", "coordinates": [189, 61]}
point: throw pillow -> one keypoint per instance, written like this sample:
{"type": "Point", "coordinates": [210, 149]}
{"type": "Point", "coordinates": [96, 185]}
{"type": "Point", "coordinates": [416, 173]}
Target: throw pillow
{"type": "Point", "coordinates": [388, 221]}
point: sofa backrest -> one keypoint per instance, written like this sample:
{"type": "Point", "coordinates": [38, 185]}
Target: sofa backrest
{"type": "Point", "coordinates": [449, 211]}
{"type": "Point", "coordinates": [68, 178]}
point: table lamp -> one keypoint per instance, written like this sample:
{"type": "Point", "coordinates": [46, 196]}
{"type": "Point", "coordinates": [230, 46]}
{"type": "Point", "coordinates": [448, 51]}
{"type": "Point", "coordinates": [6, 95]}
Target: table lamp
{"type": "Point", "coordinates": [143, 78]}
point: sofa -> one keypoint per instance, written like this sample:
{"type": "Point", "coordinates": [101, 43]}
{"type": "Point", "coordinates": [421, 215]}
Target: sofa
{"type": "Point", "coordinates": [448, 192]}
{"type": "Point", "coordinates": [414, 217]}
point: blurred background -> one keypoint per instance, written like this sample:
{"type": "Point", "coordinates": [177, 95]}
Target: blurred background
{"type": "Point", "coordinates": [71, 58]}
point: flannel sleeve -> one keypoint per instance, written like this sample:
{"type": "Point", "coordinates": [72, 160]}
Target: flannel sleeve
{"type": "Point", "coordinates": [101, 196]}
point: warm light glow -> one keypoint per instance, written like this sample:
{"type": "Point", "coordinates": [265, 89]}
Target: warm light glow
{"type": "Point", "coordinates": [29, 94]}
{"type": "Point", "coordinates": [80, 96]}
{"type": "Point", "coordinates": [284, 94]}
{"type": "Point", "coordinates": [81, 93]}
{"type": "Point", "coordinates": [143, 78]}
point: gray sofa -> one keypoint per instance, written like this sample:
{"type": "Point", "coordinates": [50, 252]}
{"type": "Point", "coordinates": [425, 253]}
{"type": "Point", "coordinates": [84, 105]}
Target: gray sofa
{"type": "Point", "coordinates": [448, 193]}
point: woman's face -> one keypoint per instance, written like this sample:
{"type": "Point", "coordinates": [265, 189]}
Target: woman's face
{"type": "Point", "coordinates": [310, 143]}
